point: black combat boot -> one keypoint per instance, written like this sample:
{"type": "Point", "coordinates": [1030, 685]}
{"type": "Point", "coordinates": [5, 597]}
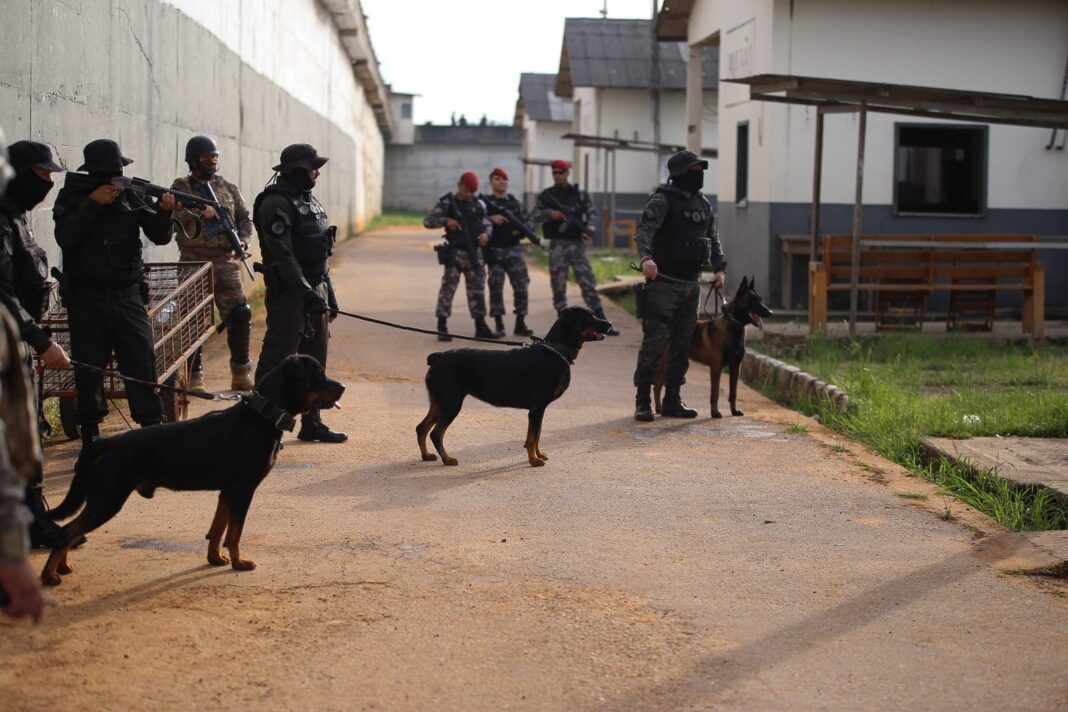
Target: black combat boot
{"type": "Point", "coordinates": [673, 406]}
{"type": "Point", "coordinates": [521, 328]}
{"type": "Point", "coordinates": [44, 533]}
{"type": "Point", "coordinates": [483, 331]}
{"type": "Point", "coordinates": [612, 331]}
{"type": "Point", "coordinates": [443, 330]}
{"type": "Point", "coordinates": [313, 429]}
{"type": "Point", "coordinates": [500, 330]}
{"type": "Point", "coordinates": [643, 407]}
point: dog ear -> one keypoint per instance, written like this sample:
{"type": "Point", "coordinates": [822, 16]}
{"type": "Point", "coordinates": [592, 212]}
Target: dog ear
{"type": "Point", "coordinates": [741, 289]}
{"type": "Point", "coordinates": [752, 283]}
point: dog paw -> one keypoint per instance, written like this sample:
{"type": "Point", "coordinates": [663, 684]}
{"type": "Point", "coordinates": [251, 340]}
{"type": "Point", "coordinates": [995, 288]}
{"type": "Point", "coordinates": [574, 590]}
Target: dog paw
{"type": "Point", "coordinates": [51, 579]}
{"type": "Point", "coordinates": [65, 568]}
{"type": "Point", "coordinates": [717, 414]}
{"type": "Point", "coordinates": [449, 461]}
{"type": "Point", "coordinates": [429, 457]}
{"type": "Point", "coordinates": [737, 413]}
{"type": "Point", "coordinates": [537, 463]}
{"type": "Point", "coordinates": [242, 565]}
{"type": "Point", "coordinates": [542, 456]}
{"type": "Point", "coordinates": [218, 560]}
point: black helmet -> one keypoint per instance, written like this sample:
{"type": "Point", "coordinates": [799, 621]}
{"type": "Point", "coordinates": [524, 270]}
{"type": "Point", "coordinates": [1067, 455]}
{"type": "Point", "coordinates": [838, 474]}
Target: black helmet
{"type": "Point", "coordinates": [300, 155]}
{"type": "Point", "coordinates": [684, 161]}
{"type": "Point", "coordinates": [103, 155]}
{"type": "Point", "coordinates": [199, 146]}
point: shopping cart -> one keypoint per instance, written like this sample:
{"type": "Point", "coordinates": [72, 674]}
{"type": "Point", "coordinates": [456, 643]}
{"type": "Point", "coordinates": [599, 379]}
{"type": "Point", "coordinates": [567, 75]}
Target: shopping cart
{"type": "Point", "coordinates": [181, 311]}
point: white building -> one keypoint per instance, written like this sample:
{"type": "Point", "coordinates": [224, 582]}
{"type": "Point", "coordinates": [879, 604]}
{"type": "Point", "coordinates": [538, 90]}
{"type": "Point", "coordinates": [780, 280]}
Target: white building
{"type": "Point", "coordinates": [544, 118]}
{"type": "Point", "coordinates": [607, 69]}
{"type": "Point", "coordinates": [920, 175]}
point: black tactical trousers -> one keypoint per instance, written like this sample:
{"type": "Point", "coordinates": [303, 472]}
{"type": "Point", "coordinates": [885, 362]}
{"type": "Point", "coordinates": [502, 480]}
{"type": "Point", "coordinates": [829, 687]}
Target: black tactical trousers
{"type": "Point", "coordinates": [289, 330]}
{"type": "Point", "coordinates": [670, 318]}
{"type": "Point", "coordinates": [102, 323]}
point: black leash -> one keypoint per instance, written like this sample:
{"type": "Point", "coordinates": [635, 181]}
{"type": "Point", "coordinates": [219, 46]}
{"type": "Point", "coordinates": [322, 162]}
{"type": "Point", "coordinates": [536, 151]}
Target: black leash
{"type": "Point", "coordinates": [699, 282]}
{"type": "Point", "coordinates": [157, 386]}
{"type": "Point", "coordinates": [431, 332]}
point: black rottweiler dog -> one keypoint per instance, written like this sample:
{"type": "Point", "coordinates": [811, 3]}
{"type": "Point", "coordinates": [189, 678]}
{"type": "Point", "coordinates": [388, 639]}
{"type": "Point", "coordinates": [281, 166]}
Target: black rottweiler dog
{"type": "Point", "coordinates": [529, 378]}
{"type": "Point", "coordinates": [229, 450]}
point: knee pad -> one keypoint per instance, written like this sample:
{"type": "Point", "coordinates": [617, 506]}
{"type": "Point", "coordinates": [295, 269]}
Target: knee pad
{"type": "Point", "coordinates": [239, 315]}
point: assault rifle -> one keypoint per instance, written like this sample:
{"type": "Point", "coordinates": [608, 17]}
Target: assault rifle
{"type": "Point", "coordinates": [224, 222]}
{"type": "Point", "coordinates": [570, 218]}
{"type": "Point", "coordinates": [469, 243]}
{"type": "Point", "coordinates": [498, 208]}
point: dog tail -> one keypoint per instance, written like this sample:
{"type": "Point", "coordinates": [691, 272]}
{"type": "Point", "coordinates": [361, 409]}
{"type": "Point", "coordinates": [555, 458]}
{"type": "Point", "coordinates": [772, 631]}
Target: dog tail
{"type": "Point", "coordinates": [433, 357]}
{"type": "Point", "coordinates": [76, 493]}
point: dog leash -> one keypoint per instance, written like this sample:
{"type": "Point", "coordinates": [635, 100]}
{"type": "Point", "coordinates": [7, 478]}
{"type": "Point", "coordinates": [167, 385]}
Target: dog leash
{"type": "Point", "coordinates": [432, 332]}
{"type": "Point", "coordinates": [700, 282]}
{"type": "Point", "coordinates": [158, 386]}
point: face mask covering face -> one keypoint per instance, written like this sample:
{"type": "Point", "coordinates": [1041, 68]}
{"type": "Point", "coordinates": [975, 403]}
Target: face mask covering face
{"type": "Point", "coordinates": [28, 190]}
{"type": "Point", "coordinates": [691, 182]}
{"type": "Point", "coordinates": [300, 179]}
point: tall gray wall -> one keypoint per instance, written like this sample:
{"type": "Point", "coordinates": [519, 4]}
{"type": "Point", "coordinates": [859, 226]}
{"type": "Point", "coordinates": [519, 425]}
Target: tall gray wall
{"type": "Point", "coordinates": [420, 173]}
{"type": "Point", "coordinates": [146, 75]}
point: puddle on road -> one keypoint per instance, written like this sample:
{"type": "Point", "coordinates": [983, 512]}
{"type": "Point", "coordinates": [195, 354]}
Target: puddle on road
{"type": "Point", "coordinates": [695, 433]}
{"type": "Point", "coordinates": [157, 544]}
{"type": "Point", "coordinates": [407, 551]}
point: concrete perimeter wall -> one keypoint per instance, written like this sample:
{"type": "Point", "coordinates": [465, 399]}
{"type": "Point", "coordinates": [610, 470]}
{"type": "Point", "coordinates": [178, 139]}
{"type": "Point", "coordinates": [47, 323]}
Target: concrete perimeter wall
{"type": "Point", "coordinates": [255, 75]}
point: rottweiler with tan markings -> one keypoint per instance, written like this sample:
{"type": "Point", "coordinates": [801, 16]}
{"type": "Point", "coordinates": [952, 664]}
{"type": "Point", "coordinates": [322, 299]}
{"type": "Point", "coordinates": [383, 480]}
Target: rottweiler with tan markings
{"type": "Point", "coordinates": [529, 378]}
{"type": "Point", "coordinates": [720, 342]}
{"type": "Point", "coordinates": [230, 450]}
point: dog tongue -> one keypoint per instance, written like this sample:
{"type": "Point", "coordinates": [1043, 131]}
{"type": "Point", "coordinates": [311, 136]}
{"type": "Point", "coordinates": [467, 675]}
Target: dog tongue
{"type": "Point", "coordinates": [757, 320]}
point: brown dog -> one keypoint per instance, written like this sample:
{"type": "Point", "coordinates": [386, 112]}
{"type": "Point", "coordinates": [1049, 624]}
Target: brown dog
{"type": "Point", "coordinates": [721, 342]}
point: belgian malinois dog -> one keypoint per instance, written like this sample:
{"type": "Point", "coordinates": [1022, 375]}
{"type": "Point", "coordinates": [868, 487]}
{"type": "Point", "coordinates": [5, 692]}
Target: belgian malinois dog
{"type": "Point", "coordinates": [721, 342]}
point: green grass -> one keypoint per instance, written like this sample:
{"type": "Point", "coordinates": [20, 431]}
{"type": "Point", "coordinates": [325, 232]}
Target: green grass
{"type": "Point", "coordinates": [797, 429]}
{"type": "Point", "coordinates": [391, 218]}
{"type": "Point", "coordinates": [903, 388]}
{"type": "Point", "coordinates": [606, 264]}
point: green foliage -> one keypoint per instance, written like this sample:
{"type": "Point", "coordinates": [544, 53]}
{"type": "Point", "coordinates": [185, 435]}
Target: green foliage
{"type": "Point", "coordinates": [391, 218]}
{"type": "Point", "coordinates": [903, 388]}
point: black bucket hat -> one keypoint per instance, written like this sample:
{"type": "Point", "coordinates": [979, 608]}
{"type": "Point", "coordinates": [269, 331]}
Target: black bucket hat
{"type": "Point", "coordinates": [300, 155]}
{"type": "Point", "coordinates": [103, 155]}
{"type": "Point", "coordinates": [684, 161]}
{"type": "Point", "coordinates": [26, 154]}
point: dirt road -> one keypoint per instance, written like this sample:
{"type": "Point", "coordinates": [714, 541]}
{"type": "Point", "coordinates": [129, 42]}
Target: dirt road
{"type": "Point", "coordinates": [731, 564]}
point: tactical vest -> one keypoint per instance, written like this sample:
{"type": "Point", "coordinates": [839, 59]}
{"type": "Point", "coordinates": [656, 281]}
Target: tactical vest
{"type": "Point", "coordinates": [211, 231]}
{"type": "Point", "coordinates": [502, 235]}
{"type": "Point", "coordinates": [681, 245]}
{"type": "Point", "coordinates": [30, 263]}
{"type": "Point", "coordinates": [312, 236]}
{"type": "Point", "coordinates": [571, 198]}
{"type": "Point", "coordinates": [110, 254]}
{"type": "Point", "coordinates": [468, 213]}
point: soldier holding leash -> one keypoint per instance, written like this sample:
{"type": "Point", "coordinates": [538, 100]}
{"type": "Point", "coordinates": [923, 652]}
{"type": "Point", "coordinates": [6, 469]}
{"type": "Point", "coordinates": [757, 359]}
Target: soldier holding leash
{"type": "Point", "coordinates": [200, 239]}
{"type": "Point", "coordinates": [676, 238]}
{"type": "Point", "coordinates": [505, 256]}
{"type": "Point", "coordinates": [296, 242]}
{"type": "Point", "coordinates": [467, 231]}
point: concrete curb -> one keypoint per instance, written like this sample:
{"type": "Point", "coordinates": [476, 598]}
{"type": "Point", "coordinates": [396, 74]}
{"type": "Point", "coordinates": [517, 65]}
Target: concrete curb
{"type": "Point", "coordinates": [790, 381]}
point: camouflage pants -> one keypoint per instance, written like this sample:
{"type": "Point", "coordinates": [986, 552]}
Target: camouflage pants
{"type": "Point", "coordinates": [670, 318]}
{"type": "Point", "coordinates": [513, 262]}
{"type": "Point", "coordinates": [474, 282]}
{"type": "Point", "coordinates": [564, 254]}
{"type": "Point", "coordinates": [229, 293]}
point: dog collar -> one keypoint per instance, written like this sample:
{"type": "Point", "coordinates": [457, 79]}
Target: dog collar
{"type": "Point", "coordinates": [560, 353]}
{"type": "Point", "coordinates": [279, 418]}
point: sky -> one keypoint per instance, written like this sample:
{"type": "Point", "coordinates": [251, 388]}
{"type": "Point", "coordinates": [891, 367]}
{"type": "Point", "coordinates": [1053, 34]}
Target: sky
{"type": "Point", "coordinates": [465, 56]}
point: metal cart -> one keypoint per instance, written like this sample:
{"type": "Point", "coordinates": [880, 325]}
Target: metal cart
{"type": "Point", "coordinates": [181, 311]}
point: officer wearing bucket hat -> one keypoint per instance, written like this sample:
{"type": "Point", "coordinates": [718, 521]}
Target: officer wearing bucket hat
{"type": "Point", "coordinates": [676, 238]}
{"type": "Point", "coordinates": [296, 242]}
{"type": "Point", "coordinates": [98, 227]}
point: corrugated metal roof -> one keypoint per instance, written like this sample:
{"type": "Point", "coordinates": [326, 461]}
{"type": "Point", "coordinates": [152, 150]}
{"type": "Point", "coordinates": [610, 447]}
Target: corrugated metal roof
{"type": "Point", "coordinates": [539, 101]}
{"type": "Point", "coordinates": [619, 53]}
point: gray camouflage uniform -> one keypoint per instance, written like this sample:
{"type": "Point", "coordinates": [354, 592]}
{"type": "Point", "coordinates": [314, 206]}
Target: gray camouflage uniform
{"type": "Point", "coordinates": [568, 249]}
{"type": "Point", "coordinates": [20, 445]}
{"type": "Point", "coordinates": [506, 257]}
{"type": "Point", "coordinates": [458, 259]}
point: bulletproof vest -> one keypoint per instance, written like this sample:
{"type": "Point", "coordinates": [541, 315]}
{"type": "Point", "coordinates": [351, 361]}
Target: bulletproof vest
{"type": "Point", "coordinates": [31, 269]}
{"type": "Point", "coordinates": [502, 235]}
{"type": "Point", "coordinates": [110, 254]}
{"type": "Point", "coordinates": [681, 245]}
{"type": "Point", "coordinates": [571, 198]}
{"type": "Point", "coordinates": [468, 213]}
{"type": "Point", "coordinates": [211, 232]}
{"type": "Point", "coordinates": [312, 236]}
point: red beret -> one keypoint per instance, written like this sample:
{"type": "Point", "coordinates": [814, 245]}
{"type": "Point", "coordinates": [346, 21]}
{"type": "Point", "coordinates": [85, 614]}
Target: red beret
{"type": "Point", "coordinates": [560, 164]}
{"type": "Point", "coordinates": [470, 181]}
{"type": "Point", "coordinates": [498, 171]}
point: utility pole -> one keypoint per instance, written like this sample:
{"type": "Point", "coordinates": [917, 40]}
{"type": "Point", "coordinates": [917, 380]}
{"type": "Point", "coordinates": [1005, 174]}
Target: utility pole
{"type": "Point", "coordinates": [656, 92]}
{"type": "Point", "coordinates": [604, 11]}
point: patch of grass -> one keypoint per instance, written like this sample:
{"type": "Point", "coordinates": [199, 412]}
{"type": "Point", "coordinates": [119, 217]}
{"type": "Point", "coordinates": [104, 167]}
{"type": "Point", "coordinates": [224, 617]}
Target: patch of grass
{"type": "Point", "coordinates": [911, 495]}
{"type": "Point", "coordinates": [797, 429]}
{"type": "Point", "coordinates": [606, 263]}
{"type": "Point", "coordinates": [986, 387]}
{"type": "Point", "coordinates": [391, 218]}
{"type": "Point", "coordinates": [838, 448]}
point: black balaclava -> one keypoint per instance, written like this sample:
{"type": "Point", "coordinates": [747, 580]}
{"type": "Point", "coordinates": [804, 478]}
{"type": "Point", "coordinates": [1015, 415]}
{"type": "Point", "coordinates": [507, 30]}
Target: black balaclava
{"type": "Point", "coordinates": [299, 179]}
{"type": "Point", "coordinates": [690, 182]}
{"type": "Point", "coordinates": [28, 189]}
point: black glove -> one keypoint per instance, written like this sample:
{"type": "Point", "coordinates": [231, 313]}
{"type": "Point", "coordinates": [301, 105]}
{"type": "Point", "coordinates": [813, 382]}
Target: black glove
{"type": "Point", "coordinates": [314, 304]}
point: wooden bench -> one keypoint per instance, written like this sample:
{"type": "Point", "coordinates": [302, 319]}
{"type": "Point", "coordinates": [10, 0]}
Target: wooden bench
{"type": "Point", "coordinates": [902, 270]}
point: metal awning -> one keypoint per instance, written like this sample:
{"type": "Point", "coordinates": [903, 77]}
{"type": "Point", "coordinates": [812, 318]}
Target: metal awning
{"type": "Point", "coordinates": [927, 102]}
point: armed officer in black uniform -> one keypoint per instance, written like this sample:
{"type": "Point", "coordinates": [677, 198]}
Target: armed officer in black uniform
{"type": "Point", "coordinates": [24, 290]}
{"type": "Point", "coordinates": [98, 227]}
{"type": "Point", "coordinates": [296, 242]}
{"type": "Point", "coordinates": [676, 238]}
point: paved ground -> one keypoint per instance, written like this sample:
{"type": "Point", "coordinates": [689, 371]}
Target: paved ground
{"type": "Point", "coordinates": [736, 564]}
